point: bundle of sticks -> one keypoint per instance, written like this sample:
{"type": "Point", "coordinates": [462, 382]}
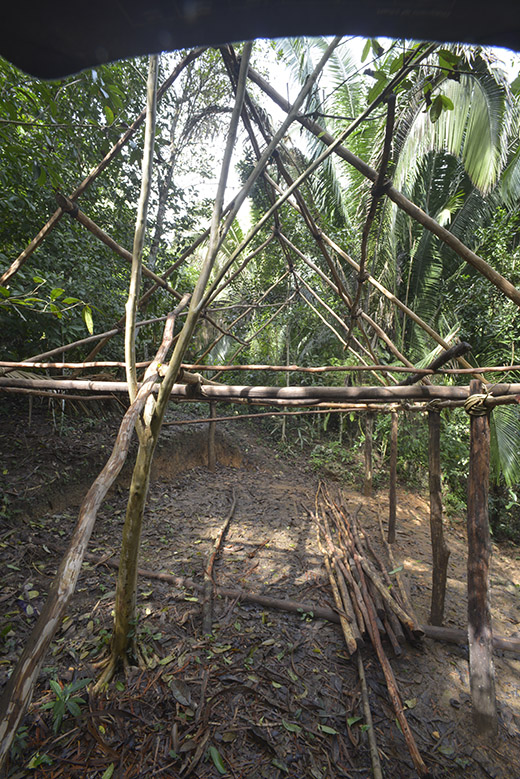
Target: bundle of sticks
{"type": "Point", "coordinates": [371, 602]}
{"type": "Point", "coordinates": [361, 581]}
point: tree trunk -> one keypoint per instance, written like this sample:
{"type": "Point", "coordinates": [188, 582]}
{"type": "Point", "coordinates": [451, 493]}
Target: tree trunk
{"type": "Point", "coordinates": [392, 500]}
{"type": "Point", "coordinates": [369, 426]}
{"type": "Point", "coordinates": [480, 633]}
{"type": "Point", "coordinates": [440, 550]}
{"type": "Point", "coordinates": [127, 577]}
{"type": "Point", "coordinates": [152, 423]}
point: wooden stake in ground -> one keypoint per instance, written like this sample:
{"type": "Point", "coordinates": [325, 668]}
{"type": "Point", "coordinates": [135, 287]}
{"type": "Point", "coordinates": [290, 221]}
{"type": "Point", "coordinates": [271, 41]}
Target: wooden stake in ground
{"type": "Point", "coordinates": [480, 632]}
{"type": "Point", "coordinates": [392, 500]}
{"type": "Point", "coordinates": [369, 425]}
{"type": "Point", "coordinates": [440, 551]}
{"type": "Point", "coordinates": [212, 457]}
{"type": "Point", "coordinates": [207, 608]}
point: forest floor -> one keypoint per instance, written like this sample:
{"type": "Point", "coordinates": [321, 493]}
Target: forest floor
{"type": "Point", "coordinates": [270, 693]}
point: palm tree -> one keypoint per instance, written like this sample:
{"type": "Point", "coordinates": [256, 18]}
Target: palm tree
{"type": "Point", "coordinates": [456, 154]}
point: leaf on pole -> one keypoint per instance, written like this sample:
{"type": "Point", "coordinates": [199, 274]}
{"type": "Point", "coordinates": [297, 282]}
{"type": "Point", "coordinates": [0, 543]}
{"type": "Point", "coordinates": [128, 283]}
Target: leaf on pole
{"type": "Point", "coordinates": [86, 313]}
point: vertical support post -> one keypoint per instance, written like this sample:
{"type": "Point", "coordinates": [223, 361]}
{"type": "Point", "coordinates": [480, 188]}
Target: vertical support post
{"type": "Point", "coordinates": [212, 458]}
{"type": "Point", "coordinates": [440, 550]}
{"type": "Point", "coordinates": [480, 633]}
{"type": "Point", "coordinates": [369, 427]}
{"type": "Point", "coordinates": [392, 502]}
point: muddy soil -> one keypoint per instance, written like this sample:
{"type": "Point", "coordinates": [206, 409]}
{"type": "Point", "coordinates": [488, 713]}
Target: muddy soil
{"type": "Point", "coordinates": [269, 693]}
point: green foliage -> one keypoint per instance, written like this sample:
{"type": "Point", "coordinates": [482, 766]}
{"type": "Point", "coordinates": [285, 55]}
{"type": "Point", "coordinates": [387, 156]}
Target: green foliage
{"type": "Point", "coordinates": [65, 701]}
{"type": "Point", "coordinates": [37, 760]}
{"type": "Point", "coordinates": [19, 745]}
{"type": "Point", "coordinates": [504, 512]}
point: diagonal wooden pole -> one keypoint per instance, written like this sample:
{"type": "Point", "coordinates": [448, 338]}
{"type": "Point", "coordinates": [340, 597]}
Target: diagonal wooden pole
{"type": "Point", "coordinates": [397, 197]}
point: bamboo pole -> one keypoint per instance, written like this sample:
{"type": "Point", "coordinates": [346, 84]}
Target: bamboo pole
{"type": "Point", "coordinates": [480, 631]}
{"type": "Point", "coordinates": [345, 612]}
{"type": "Point", "coordinates": [377, 772]}
{"type": "Point", "coordinates": [392, 498]}
{"type": "Point", "coordinates": [323, 368]}
{"type": "Point", "coordinates": [380, 593]}
{"type": "Point", "coordinates": [391, 682]}
{"type": "Point", "coordinates": [403, 592]}
{"type": "Point", "coordinates": [440, 550]}
{"type": "Point", "coordinates": [140, 228]}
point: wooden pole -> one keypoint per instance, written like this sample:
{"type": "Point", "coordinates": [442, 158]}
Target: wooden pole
{"type": "Point", "coordinates": [393, 479]}
{"type": "Point", "coordinates": [299, 394]}
{"type": "Point", "coordinates": [440, 551]}
{"type": "Point", "coordinates": [71, 208]}
{"type": "Point", "coordinates": [212, 458]}
{"type": "Point", "coordinates": [480, 632]}
{"type": "Point", "coordinates": [369, 426]}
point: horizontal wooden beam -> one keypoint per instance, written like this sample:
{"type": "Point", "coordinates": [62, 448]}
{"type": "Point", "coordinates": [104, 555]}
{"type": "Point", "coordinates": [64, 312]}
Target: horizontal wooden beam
{"type": "Point", "coordinates": [225, 392]}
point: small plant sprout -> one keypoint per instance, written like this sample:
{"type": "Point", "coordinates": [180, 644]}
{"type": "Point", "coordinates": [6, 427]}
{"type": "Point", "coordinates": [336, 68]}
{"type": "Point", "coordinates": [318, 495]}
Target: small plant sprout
{"type": "Point", "coordinates": [65, 701]}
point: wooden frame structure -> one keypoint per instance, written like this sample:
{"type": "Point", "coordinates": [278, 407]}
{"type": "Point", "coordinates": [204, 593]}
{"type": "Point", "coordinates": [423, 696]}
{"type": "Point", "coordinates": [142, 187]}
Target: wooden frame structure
{"type": "Point", "coordinates": [188, 385]}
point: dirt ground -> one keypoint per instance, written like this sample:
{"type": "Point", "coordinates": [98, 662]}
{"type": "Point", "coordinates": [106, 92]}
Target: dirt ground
{"type": "Point", "coordinates": [270, 693]}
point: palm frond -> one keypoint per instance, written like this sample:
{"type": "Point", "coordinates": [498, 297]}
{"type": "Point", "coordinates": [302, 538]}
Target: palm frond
{"type": "Point", "coordinates": [510, 182]}
{"type": "Point", "coordinates": [505, 443]}
{"type": "Point", "coordinates": [475, 131]}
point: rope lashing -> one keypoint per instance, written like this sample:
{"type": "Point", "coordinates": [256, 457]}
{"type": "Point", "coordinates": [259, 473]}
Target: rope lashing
{"type": "Point", "coordinates": [475, 405]}
{"type": "Point", "coordinates": [435, 405]}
